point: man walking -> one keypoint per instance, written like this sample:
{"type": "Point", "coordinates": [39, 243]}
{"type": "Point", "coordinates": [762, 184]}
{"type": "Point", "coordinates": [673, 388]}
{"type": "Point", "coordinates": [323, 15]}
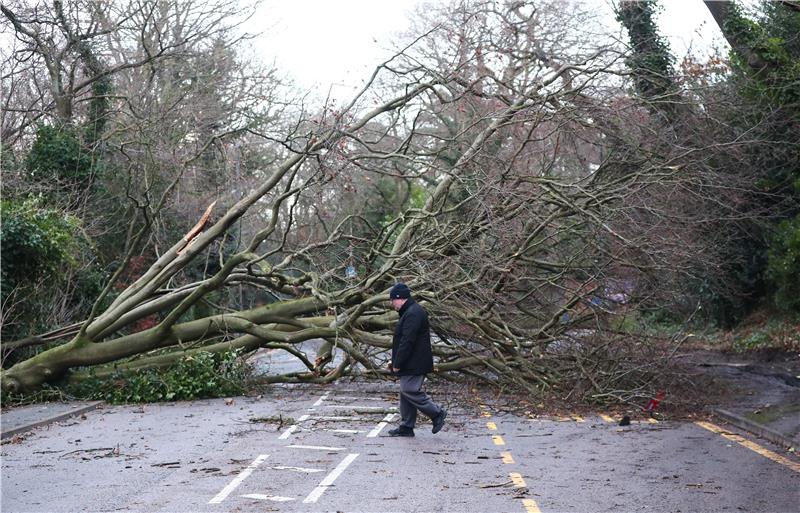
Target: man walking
{"type": "Point", "coordinates": [412, 358]}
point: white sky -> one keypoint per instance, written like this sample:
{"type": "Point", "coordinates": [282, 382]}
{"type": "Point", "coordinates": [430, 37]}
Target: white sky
{"type": "Point", "coordinates": [333, 45]}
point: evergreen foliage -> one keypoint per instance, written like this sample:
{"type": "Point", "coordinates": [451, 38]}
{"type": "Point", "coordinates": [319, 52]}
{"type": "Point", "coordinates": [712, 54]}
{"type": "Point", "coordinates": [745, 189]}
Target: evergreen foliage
{"type": "Point", "coordinates": [196, 376]}
{"type": "Point", "coordinates": [48, 262]}
{"type": "Point", "coordinates": [37, 241]}
{"type": "Point", "coordinates": [57, 155]}
{"type": "Point", "coordinates": [650, 59]}
{"type": "Point", "coordinates": [772, 91]}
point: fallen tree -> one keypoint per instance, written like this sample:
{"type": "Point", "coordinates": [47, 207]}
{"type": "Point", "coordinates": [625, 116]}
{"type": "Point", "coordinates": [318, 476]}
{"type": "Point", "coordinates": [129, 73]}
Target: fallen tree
{"type": "Point", "coordinates": [488, 174]}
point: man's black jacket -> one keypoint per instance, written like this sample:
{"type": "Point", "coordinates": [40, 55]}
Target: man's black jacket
{"type": "Point", "coordinates": [411, 346]}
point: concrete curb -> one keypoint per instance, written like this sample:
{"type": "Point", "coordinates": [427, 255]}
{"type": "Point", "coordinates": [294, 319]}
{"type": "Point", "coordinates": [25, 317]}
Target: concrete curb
{"type": "Point", "coordinates": [55, 418]}
{"type": "Point", "coordinates": [756, 428]}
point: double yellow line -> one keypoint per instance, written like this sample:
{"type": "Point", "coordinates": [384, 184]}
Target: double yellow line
{"type": "Point", "coordinates": [777, 458]}
{"type": "Point", "coordinates": [771, 455]}
{"type": "Point", "coordinates": [531, 506]}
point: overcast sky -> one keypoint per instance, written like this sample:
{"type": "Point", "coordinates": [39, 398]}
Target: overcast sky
{"type": "Point", "coordinates": [334, 45]}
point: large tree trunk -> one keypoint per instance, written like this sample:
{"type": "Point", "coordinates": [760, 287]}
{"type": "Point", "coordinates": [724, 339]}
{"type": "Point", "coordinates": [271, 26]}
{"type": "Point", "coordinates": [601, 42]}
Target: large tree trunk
{"type": "Point", "coordinates": [736, 31]}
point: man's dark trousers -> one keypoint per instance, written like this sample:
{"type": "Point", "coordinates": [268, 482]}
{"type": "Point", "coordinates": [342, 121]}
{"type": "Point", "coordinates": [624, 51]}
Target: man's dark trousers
{"type": "Point", "coordinates": [412, 398]}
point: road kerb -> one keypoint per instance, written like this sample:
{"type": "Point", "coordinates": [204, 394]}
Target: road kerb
{"type": "Point", "coordinates": [49, 420]}
{"type": "Point", "coordinates": [756, 428]}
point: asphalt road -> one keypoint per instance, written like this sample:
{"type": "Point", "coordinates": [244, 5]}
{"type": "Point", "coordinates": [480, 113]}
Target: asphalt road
{"type": "Point", "coordinates": [332, 454]}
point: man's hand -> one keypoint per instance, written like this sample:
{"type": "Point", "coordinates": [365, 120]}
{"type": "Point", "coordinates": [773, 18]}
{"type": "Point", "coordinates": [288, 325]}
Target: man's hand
{"type": "Point", "coordinates": [392, 369]}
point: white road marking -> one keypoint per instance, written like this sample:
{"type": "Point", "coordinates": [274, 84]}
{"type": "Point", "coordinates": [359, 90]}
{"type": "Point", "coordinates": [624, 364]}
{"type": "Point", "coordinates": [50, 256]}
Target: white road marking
{"type": "Point", "coordinates": [238, 480]}
{"type": "Point", "coordinates": [319, 401]}
{"type": "Point", "coordinates": [377, 429]}
{"type": "Point", "coordinates": [276, 498]}
{"type": "Point", "coordinates": [317, 492]}
{"type": "Point", "coordinates": [297, 469]}
{"type": "Point", "coordinates": [291, 429]}
{"type": "Point", "coordinates": [316, 447]}
{"type": "Point", "coordinates": [339, 418]}
{"type": "Point", "coordinates": [355, 406]}
{"type": "Point", "coordinates": [344, 430]}
{"type": "Point", "coordinates": [347, 398]}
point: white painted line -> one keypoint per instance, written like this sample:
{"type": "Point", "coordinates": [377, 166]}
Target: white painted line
{"type": "Point", "coordinates": [339, 418]}
{"type": "Point", "coordinates": [377, 429]}
{"type": "Point", "coordinates": [344, 430]}
{"type": "Point", "coordinates": [238, 480]}
{"type": "Point", "coordinates": [291, 429]}
{"type": "Point", "coordinates": [347, 398]}
{"type": "Point", "coordinates": [317, 492]}
{"type": "Point", "coordinates": [319, 401]}
{"type": "Point", "coordinates": [276, 498]}
{"type": "Point", "coordinates": [316, 447]}
{"type": "Point", "coordinates": [297, 469]}
{"type": "Point", "coordinates": [355, 406]}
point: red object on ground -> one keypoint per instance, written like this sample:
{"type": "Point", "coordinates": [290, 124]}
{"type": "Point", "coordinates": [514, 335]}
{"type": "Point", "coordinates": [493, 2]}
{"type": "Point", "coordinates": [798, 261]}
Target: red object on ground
{"type": "Point", "coordinates": [653, 404]}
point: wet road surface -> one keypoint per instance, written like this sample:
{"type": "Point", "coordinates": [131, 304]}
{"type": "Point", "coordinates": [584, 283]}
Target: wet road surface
{"type": "Point", "coordinates": [332, 454]}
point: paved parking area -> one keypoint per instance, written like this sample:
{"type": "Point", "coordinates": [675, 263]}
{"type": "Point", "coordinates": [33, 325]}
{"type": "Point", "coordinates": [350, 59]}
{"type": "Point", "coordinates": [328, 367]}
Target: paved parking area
{"type": "Point", "coordinates": [332, 454]}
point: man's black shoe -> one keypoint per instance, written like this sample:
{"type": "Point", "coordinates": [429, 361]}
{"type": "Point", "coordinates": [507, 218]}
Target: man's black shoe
{"type": "Point", "coordinates": [401, 431]}
{"type": "Point", "coordinates": [438, 422]}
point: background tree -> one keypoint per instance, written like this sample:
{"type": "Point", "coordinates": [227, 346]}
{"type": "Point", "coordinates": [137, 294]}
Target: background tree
{"type": "Point", "coordinates": [712, 133]}
{"type": "Point", "coordinates": [117, 115]}
{"type": "Point", "coordinates": [766, 105]}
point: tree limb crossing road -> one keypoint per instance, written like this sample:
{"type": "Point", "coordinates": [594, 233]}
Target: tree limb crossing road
{"type": "Point", "coordinates": [335, 456]}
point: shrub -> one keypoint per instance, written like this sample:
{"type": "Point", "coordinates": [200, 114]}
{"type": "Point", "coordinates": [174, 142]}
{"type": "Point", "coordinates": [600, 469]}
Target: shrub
{"type": "Point", "coordinates": [46, 255]}
{"type": "Point", "coordinates": [35, 240]}
{"type": "Point", "coordinates": [783, 269]}
{"type": "Point", "coordinates": [196, 376]}
{"type": "Point", "coordinates": [57, 154]}
{"type": "Point", "coordinates": [774, 334]}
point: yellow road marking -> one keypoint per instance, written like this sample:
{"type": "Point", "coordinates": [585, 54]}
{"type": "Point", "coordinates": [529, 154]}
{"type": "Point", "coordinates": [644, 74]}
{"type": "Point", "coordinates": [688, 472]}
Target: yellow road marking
{"type": "Point", "coordinates": [498, 440]}
{"type": "Point", "coordinates": [578, 418]}
{"type": "Point", "coordinates": [507, 458]}
{"type": "Point", "coordinates": [606, 418]}
{"type": "Point", "coordinates": [516, 478]}
{"type": "Point", "coordinates": [492, 426]}
{"type": "Point", "coordinates": [777, 458]}
{"type": "Point", "coordinates": [531, 506]}
{"type": "Point", "coordinates": [652, 421]}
